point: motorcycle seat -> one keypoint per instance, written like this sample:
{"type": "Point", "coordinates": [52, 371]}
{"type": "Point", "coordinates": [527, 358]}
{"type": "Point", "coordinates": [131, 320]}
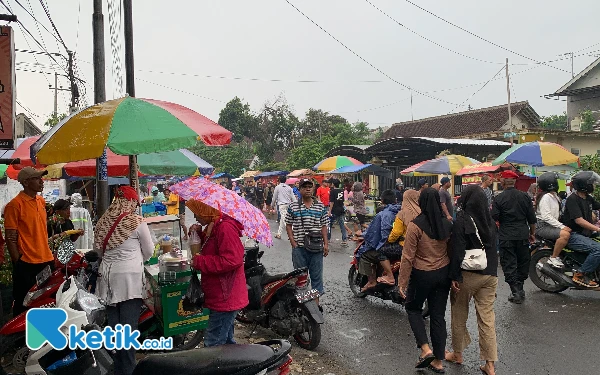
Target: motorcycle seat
{"type": "Point", "coordinates": [267, 278]}
{"type": "Point", "coordinates": [218, 360]}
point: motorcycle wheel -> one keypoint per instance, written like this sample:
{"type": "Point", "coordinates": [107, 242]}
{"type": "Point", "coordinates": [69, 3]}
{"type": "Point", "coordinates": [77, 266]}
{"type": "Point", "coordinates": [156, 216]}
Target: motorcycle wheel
{"type": "Point", "coordinates": [356, 281]}
{"type": "Point", "coordinates": [187, 341]}
{"type": "Point", "coordinates": [310, 338]}
{"type": "Point", "coordinates": [13, 353]}
{"type": "Point", "coordinates": [540, 280]}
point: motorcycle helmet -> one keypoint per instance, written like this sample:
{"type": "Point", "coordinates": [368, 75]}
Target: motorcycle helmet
{"type": "Point", "coordinates": [584, 181]}
{"type": "Point", "coordinates": [548, 182]}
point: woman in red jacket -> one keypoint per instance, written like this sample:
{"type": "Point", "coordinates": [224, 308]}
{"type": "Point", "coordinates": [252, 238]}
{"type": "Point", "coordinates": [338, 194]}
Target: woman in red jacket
{"type": "Point", "coordinates": [221, 265]}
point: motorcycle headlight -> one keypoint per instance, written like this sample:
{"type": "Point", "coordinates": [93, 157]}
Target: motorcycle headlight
{"type": "Point", "coordinates": [32, 296]}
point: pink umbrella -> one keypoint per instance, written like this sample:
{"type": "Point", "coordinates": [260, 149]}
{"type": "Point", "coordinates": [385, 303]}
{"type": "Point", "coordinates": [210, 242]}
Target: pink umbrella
{"type": "Point", "coordinates": [291, 180]}
{"type": "Point", "coordinates": [227, 201]}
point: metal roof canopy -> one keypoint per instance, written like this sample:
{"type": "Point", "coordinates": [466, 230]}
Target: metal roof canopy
{"type": "Point", "coordinates": [371, 168]}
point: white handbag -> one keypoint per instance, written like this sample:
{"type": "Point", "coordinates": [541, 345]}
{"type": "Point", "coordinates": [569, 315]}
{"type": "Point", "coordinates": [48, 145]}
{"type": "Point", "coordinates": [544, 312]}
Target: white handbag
{"type": "Point", "coordinates": [475, 259]}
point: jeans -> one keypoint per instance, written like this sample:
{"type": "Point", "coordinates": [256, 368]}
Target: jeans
{"type": "Point", "coordinates": [126, 312]}
{"type": "Point", "coordinates": [433, 286]}
{"type": "Point", "coordinates": [340, 220]}
{"type": "Point", "coordinates": [515, 258]}
{"type": "Point", "coordinates": [220, 328]}
{"type": "Point", "coordinates": [314, 262]}
{"type": "Point", "coordinates": [578, 242]}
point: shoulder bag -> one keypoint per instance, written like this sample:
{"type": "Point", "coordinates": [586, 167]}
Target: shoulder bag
{"type": "Point", "coordinates": [475, 259]}
{"type": "Point", "coordinates": [313, 240]}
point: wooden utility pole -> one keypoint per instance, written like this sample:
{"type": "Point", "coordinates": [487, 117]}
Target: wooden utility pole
{"type": "Point", "coordinates": [130, 80]}
{"type": "Point", "coordinates": [510, 124]}
{"type": "Point", "coordinates": [99, 97]}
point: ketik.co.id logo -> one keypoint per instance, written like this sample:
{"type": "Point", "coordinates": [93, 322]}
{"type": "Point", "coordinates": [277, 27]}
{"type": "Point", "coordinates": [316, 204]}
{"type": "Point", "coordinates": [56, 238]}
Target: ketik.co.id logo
{"type": "Point", "coordinates": [43, 326]}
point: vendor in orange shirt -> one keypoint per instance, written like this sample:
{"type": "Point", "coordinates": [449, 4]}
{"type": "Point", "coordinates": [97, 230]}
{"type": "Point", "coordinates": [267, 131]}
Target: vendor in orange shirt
{"type": "Point", "coordinates": [27, 234]}
{"type": "Point", "coordinates": [323, 193]}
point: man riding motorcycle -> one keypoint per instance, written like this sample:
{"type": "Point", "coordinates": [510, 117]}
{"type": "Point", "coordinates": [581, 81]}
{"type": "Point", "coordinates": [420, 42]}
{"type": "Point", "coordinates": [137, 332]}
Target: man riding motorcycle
{"type": "Point", "coordinates": [578, 217]}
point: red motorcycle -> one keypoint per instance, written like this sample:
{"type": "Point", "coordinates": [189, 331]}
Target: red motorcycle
{"type": "Point", "coordinates": [281, 302]}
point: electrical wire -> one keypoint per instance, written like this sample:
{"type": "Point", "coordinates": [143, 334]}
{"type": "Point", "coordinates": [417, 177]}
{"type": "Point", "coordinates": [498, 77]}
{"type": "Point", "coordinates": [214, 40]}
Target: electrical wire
{"type": "Point", "coordinates": [182, 91]}
{"type": "Point", "coordinates": [429, 40]}
{"type": "Point", "coordinates": [365, 61]}
{"type": "Point", "coordinates": [116, 47]}
{"type": "Point", "coordinates": [481, 88]}
{"type": "Point", "coordinates": [588, 47]}
{"type": "Point", "coordinates": [27, 110]}
{"type": "Point", "coordinates": [34, 18]}
{"type": "Point", "coordinates": [45, 6]}
{"type": "Point", "coordinates": [485, 40]}
{"type": "Point", "coordinates": [78, 20]}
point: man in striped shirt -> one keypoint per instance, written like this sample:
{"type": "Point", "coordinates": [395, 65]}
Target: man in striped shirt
{"type": "Point", "coordinates": [304, 216]}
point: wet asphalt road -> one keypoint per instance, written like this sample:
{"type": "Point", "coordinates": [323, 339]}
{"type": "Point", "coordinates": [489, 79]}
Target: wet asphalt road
{"type": "Point", "coordinates": [549, 334]}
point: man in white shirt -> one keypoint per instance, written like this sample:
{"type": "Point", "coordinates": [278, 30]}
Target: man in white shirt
{"type": "Point", "coordinates": [283, 195]}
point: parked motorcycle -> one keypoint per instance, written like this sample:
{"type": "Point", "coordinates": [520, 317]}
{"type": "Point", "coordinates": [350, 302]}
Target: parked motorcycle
{"type": "Point", "coordinates": [551, 279]}
{"type": "Point", "coordinates": [281, 302]}
{"type": "Point", "coordinates": [42, 294]}
{"type": "Point", "coordinates": [84, 310]}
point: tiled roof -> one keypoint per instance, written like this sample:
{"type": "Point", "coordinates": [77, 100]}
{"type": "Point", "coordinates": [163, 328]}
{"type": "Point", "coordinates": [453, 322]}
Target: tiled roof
{"type": "Point", "coordinates": [478, 121]}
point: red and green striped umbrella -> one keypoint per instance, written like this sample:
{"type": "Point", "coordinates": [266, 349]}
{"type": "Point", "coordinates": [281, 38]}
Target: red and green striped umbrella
{"type": "Point", "coordinates": [126, 126]}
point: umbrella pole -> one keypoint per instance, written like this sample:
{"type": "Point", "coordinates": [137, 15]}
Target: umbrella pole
{"type": "Point", "coordinates": [133, 173]}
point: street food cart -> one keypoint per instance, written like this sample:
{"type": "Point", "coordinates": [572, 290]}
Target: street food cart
{"type": "Point", "coordinates": [167, 283]}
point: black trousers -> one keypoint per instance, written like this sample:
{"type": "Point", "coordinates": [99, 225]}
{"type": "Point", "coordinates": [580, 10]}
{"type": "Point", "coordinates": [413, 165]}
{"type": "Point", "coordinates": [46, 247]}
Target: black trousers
{"type": "Point", "coordinates": [433, 287]}
{"type": "Point", "coordinates": [515, 258]}
{"type": "Point", "coordinates": [126, 312]}
{"type": "Point", "coordinates": [23, 279]}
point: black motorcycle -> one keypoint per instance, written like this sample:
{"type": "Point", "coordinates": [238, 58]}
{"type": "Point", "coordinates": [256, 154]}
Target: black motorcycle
{"type": "Point", "coordinates": [551, 279]}
{"type": "Point", "coordinates": [281, 302]}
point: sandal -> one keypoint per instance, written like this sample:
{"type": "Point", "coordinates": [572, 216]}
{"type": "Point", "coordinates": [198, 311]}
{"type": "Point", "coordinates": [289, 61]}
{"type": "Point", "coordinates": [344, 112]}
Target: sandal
{"type": "Point", "coordinates": [437, 370]}
{"type": "Point", "coordinates": [451, 357]}
{"type": "Point", "coordinates": [425, 361]}
{"type": "Point", "coordinates": [482, 368]}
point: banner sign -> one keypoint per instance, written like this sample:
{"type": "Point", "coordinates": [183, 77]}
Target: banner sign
{"type": "Point", "coordinates": [7, 87]}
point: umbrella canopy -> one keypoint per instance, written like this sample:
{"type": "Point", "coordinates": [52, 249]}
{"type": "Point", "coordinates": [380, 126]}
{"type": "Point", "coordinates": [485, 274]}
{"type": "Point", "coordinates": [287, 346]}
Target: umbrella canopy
{"type": "Point", "coordinates": [249, 174]}
{"type": "Point", "coordinates": [537, 154]}
{"type": "Point", "coordinates": [291, 180]}
{"type": "Point", "coordinates": [171, 163]}
{"type": "Point", "coordinates": [126, 126]}
{"type": "Point", "coordinates": [480, 168]}
{"type": "Point", "coordinates": [370, 168]}
{"type": "Point", "coordinates": [410, 171]}
{"type": "Point", "coordinates": [336, 162]}
{"type": "Point", "coordinates": [227, 201]}
{"type": "Point", "coordinates": [23, 153]}
{"type": "Point", "coordinates": [301, 172]}
{"type": "Point", "coordinates": [448, 164]}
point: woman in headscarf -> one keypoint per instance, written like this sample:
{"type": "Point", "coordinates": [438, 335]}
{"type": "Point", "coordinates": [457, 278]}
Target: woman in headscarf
{"type": "Point", "coordinates": [424, 276]}
{"type": "Point", "coordinates": [357, 198]}
{"type": "Point", "coordinates": [410, 210]}
{"type": "Point", "coordinates": [125, 243]}
{"type": "Point", "coordinates": [474, 222]}
{"type": "Point", "coordinates": [221, 264]}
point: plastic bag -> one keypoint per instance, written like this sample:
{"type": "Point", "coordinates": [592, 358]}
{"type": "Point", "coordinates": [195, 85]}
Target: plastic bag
{"type": "Point", "coordinates": [195, 243]}
{"type": "Point", "coordinates": [194, 297]}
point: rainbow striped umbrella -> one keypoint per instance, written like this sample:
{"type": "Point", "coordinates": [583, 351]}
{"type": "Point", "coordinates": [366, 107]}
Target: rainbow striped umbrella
{"type": "Point", "coordinates": [537, 154]}
{"type": "Point", "coordinates": [448, 164]}
{"type": "Point", "coordinates": [127, 126]}
{"type": "Point", "coordinates": [336, 162]}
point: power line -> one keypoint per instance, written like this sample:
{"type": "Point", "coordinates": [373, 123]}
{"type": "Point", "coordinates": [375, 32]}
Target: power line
{"type": "Point", "coordinates": [485, 40]}
{"type": "Point", "coordinates": [364, 60]}
{"type": "Point", "coordinates": [36, 20]}
{"type": "Point", "coordinates": [429, 40]}
{"type": "Point", "coordinates": [78, 19]}
{"type": "Point", "coordinates": [588, 47]}
{"type": "Point", "coordinates": [45, 6]}
{"type": "Point", "coordinates": [182, 91]}
{"type": "Point", "coordinates": [27, 110]}
{"type": "Point", "coordinates": [481, 88]}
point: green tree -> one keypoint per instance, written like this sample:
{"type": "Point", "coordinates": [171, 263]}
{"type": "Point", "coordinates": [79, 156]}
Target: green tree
{"type": "Point", "coordinates": [54, 119]}
{"type": "Point", "coordinates": [558, 122]}
{"type": "Point", "coordinates": [587, 121]}
{"type": "Point", "coordinates": [238, 118]}
{"type": "Point", "coordinates": [277, 125]}
{"type": "Point", "coordinates": [232, 159]}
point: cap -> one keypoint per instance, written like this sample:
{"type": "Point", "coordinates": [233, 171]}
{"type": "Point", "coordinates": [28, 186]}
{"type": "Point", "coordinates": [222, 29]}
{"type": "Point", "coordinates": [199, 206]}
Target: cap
{"type": "Point", "coordinates": [511, 175]}
{"type": "Point", "coordinates": [421, 182]}
{"type": "Point", "coordinates": [30, 172]}
{"type": "Point", "coordinates": [61, 204]}
{"type": "Point", "coordinates": [444, 180]}
{"type": "Point", "coordinates": [305, 181]}
{"type": "Point", "coordinates": [154, 188]}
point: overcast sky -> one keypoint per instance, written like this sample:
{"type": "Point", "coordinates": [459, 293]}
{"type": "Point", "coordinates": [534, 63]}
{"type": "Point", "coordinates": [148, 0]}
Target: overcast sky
{"type": "Point", "coordinates": [263, 40]}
